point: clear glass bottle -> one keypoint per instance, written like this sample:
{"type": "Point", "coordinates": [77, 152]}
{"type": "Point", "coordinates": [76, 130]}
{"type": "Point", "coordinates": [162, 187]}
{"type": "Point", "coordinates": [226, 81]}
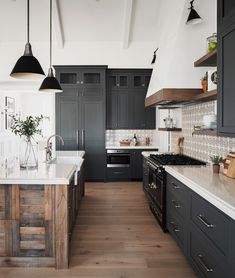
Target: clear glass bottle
{"type": "Point", "coordinates": [28, 155]}
{"type": "Point", "coordinates": [212, 43]}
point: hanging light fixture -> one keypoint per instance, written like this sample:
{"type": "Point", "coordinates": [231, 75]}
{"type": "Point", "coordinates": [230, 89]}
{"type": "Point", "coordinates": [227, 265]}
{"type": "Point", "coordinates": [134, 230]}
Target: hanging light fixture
{"type": "Point", "coordinates": [27, 66]}
{"type": "Point", "coordinates": [194, 17]}
{"type": "Point", "coordinates": [50, 83]}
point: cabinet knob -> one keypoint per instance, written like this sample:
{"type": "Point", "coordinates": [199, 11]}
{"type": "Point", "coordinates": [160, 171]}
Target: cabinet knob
{"type": "Point", "coordinates": [78, 82]}
{"type": "Point", "coordinates": [81, 82]}
{"type": "Point", "coordinates": [118, 85]}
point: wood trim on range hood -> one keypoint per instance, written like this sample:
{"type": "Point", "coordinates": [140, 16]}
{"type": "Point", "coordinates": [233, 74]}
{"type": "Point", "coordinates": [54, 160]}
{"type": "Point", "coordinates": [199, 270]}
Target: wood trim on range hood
{"type": "Point", "coordinates": [171, 96]}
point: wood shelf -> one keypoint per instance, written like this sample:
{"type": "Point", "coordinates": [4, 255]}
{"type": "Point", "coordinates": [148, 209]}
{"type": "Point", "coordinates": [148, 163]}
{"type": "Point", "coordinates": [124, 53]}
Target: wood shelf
{"type": "Point", "coordinates": [168, 107]}
{"type": "Point", "coordinates": [208, 96]}
{"type": "Point", "coordinates": [208, 60]}
{"type": "Point", "coordinates": [209, 132]}
{"type": "Point", "coordinates": [175, 129]}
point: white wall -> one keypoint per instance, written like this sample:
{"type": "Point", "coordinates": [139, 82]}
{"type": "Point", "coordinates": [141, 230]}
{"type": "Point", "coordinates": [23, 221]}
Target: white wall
{"type": "Point", "coordinates": [180, 45]}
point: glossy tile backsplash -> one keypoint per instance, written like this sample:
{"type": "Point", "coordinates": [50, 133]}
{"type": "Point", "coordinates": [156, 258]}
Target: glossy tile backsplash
{"type": "Point", "coordinates": [200, 146]}
{"type": "Point", "coordinates": [113, 137]}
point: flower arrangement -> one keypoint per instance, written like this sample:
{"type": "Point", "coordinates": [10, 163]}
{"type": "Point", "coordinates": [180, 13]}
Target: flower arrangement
{"type": "Point", "coordinates": [27, 127]}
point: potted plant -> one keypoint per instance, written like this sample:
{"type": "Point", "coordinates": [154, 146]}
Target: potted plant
{"type": "Point", "coordinates": [27, 129]}
{"type": "Point", "coordinates": [204, 83]}
{"type": "Point", "coordinates": [216, 160]}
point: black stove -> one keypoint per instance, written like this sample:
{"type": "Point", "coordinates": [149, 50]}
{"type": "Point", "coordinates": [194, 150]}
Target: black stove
{"type": "Point", "coordinates": [154, 183]}
{"type": "Point", "coordinates": [174, 159]}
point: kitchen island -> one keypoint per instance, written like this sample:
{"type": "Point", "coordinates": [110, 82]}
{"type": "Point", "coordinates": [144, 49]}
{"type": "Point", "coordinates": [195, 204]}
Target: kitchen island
{"type": "Point", "coordinates": [38, 209]}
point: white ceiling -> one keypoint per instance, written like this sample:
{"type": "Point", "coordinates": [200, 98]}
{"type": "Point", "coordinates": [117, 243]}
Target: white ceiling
{"type": "Point", "coordinates": [81, 20]}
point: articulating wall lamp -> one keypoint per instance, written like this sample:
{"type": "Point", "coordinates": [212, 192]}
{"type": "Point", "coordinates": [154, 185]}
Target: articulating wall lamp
{"type": "Point", "coordinates": [194, 17]}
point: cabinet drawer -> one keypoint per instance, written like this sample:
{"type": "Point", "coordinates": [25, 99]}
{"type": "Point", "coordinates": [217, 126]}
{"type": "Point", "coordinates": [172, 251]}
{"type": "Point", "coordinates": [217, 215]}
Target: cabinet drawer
{"type": "Point", "coordinates": [176, 187]}
{"type": "Point", "coordinates": [213, 223]}
{"type": "Point", "coordinates": [119, 173]}
{"type": "Point", "coordinates": [176, 228]}
{"type": "Point", "coordinates": [205, 256]}
{"type": "Point", "coordinates": [176, 204]}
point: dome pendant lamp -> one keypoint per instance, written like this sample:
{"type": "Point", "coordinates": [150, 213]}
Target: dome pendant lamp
{"type": "Point", "coordinates": [27, 66]}
{"type": "Point", "coordinates": [50, 83]}
{"type": "Point", "coordinates": [194, 17]}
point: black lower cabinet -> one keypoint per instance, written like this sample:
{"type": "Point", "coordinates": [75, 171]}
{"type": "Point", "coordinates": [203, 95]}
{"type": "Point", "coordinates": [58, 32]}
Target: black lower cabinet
{"type": "Point", "coordinates": [204, 233]}
{"type": "Point", "coordinates": [75, 193]}
{"type": "Point", "coordinates": [132, 172]}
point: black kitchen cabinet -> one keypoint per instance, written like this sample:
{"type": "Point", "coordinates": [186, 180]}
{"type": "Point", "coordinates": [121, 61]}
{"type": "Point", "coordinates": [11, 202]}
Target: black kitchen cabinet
{"type": "Point", "coordinates": [118, 79]}
{"type": "Point", "coordinates": [203, 232]}
{"type": "Point", "coordinates": [126, 104]}
{"type": "Point", "coordinates": [226, 62]}
{"type": "Point", "coordinates": [80, 115]}
{"type": "Point", "coordinates": [136, 164]}
{"type": "Point", "coordinates": [133, 172]}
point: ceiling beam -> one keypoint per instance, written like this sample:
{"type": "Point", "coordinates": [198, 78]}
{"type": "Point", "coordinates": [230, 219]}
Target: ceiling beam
{"type": "Point", "coordinates": [127, 22]}
{"type": "Point", "coordinates": [57, 23]}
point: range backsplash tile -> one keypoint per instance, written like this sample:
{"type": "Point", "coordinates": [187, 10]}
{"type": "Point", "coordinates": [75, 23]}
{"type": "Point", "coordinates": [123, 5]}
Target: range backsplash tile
{"type": "Point", "coordinates": [200, 146]}
{"type": "Point", "coordinates": [113, 137]}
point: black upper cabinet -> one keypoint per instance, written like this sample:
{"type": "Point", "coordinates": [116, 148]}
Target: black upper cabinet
{"type": "Point", "coordinates": [226, 66]}
{"type": "Point", "coordinates": [126, 102]}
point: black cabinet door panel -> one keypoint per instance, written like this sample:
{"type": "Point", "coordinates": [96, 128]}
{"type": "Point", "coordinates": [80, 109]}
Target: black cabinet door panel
{"type": "Point", "coordinates": [226, 81]}
{"type": "Point", "coordinates": [67, 121]}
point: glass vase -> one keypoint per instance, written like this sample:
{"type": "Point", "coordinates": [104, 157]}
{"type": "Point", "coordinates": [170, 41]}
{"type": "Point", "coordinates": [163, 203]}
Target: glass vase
{"type": "Point", "coordinates": [28, 154]}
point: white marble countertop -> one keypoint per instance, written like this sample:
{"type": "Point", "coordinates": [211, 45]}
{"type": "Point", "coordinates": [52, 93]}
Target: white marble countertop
{"type": "Point", "coordinates": [114, 147]}
{"type": "Point", "coordinates": [217, 189]}
{"type": "Point", "coordinates": [70, 153]}
{"type": "Point", "coordinates": [44, 174]}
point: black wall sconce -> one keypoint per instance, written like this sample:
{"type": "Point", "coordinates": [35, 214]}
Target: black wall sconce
{"type": "Point", "coordinates": [194, 17]}
{"type": "Point", "coordinates": [154, 56]}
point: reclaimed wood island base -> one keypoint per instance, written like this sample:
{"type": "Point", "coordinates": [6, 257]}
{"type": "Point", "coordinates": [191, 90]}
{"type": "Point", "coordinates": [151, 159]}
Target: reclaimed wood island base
{"type": "Point", "coordinates": [36, 222]}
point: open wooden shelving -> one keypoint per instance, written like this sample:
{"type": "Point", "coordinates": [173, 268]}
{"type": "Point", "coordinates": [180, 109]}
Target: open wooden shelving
{"type": "Point", "coordinates": [209, 132]}
{"type": "Point", "coordinates": [208, 60]}
{"type": "Point", "coordinates": [175, 129]}
{"type": "Point", "coordinates": [208, 96]}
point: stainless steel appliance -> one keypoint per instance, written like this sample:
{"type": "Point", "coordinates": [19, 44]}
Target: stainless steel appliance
{"type": "Point", "coordinates": [118, 158]}
{"type": "Point", "coordinates": [154, 184]}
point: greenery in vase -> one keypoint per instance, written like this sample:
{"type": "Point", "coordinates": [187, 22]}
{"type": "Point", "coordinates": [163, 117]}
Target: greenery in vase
{"type": "Point", "coordinates": [28, 127]}
{"type": "Point", "coordinates": [216, 159]}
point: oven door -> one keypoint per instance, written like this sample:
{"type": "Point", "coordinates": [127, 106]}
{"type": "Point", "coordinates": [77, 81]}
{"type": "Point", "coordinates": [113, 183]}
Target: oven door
{"type": "Point", "coordinates": [155, 188]}
{"type": "Point", "coordinates": [118, 158]}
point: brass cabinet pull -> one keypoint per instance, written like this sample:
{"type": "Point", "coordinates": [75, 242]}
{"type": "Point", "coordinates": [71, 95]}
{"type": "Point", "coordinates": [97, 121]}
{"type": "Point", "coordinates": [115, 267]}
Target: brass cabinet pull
{"type": "Point", "coordinates": [204, 221]}
{"type": "Point", "coordinates": [201, 261]}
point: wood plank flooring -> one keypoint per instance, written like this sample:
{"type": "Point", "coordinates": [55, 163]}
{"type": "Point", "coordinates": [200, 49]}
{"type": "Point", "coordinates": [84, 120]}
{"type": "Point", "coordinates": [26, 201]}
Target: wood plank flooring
{"type": "Point", "coordinates": [116, 236]}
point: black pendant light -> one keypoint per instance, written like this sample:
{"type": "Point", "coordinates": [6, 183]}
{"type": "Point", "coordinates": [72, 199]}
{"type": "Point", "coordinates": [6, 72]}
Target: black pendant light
{"type": "Point", "coordinates": [27, 67]}
{"type": "Point", "coordinates": [194, 17]}
{"type": "Point", "coordinates": [50, 83]}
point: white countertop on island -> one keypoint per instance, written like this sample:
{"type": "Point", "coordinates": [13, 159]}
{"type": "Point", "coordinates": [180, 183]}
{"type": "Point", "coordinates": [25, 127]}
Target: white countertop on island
{"type": "Point", "coordinates": [70, 153]}
{"type": "Point", "coordinates": [217, 189]}
{"type": "Point", "coordinates": [44, 174]}
{"type": "Point", "coordinates": [115, 147]}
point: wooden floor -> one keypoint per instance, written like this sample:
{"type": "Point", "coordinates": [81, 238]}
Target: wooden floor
{"type": "Point", "coordinates": [116, 236]}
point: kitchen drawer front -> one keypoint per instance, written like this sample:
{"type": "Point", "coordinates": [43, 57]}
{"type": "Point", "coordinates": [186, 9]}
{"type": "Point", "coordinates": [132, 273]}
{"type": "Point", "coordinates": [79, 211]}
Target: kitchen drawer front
{"type": "Point", "coordinates": [176, 204]}
{"type": "Point", "coordinates": [176, 187]}
{"type": "Point", "coordinates": [211, 221]}
{"type": "Point", "coordinates": [206, 259]}
{"type": "Point", "coordinates": [119, 173]}
{"type": "Point", "coordinates": [176, 228]}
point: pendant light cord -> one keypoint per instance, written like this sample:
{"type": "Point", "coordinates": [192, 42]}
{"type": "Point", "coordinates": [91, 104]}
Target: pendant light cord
{"type": "Point", "coordinates": [191, 5]}
{"type": "Point", "coordinates": [27, 21]}
{"type": "Point", "coordinates": [50, 33]}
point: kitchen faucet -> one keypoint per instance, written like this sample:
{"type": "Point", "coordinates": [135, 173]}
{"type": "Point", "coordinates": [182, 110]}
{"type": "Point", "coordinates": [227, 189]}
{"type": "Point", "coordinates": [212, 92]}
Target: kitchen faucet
{"type": "Point", "coordinates": [49, 146]}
